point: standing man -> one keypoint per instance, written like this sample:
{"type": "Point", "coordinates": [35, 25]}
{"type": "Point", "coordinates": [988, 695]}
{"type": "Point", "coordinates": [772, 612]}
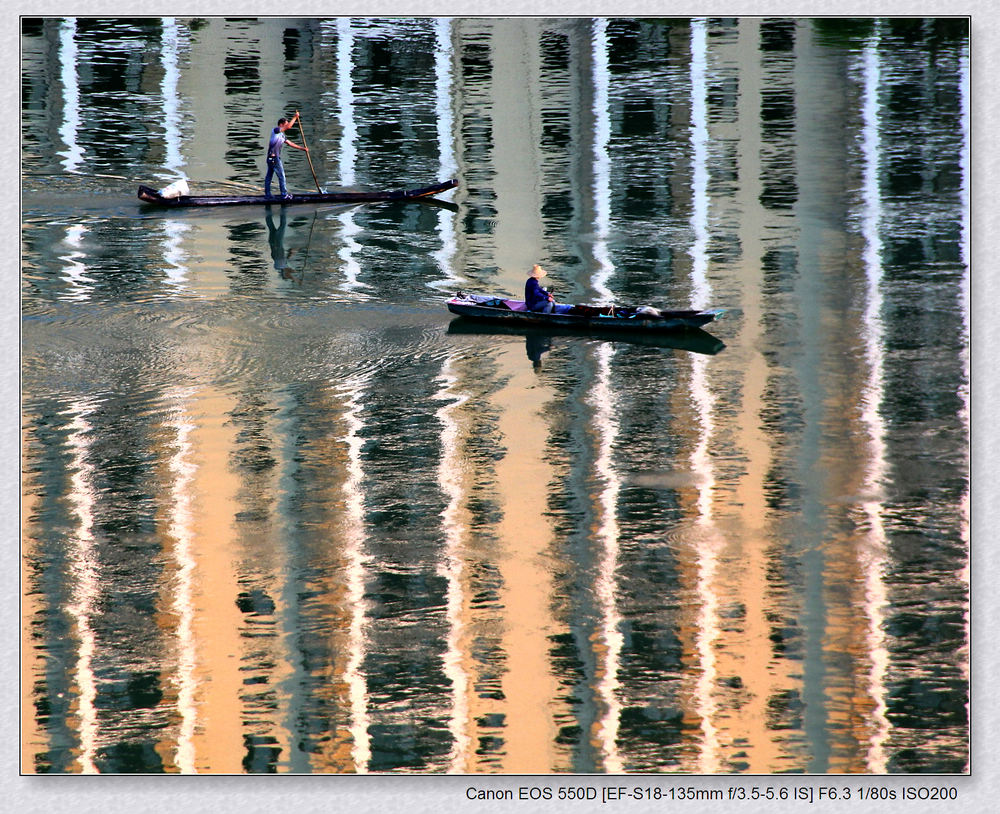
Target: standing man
{"type": "Point", "coordinates": [274, 145]}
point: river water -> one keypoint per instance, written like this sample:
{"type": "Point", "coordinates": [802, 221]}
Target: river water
{"type": "Point", "coordinates": [281, 513]}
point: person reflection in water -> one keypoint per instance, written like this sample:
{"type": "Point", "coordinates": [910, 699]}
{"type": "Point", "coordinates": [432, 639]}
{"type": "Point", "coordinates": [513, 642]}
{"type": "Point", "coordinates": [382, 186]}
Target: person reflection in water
{"type": "Point", "coordinates": [536, 347]}
{"type": "Point", "coordinates": [276, 240]}
{"type": "Point", "coordinates": [537, 298]}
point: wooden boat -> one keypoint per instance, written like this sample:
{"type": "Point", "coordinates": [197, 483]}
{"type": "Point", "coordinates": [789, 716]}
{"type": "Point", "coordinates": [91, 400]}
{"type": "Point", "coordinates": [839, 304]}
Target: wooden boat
{"type": "Point", "coordinates": [152, 196]}
{"type": "Point", "coordinates": [631, 319]}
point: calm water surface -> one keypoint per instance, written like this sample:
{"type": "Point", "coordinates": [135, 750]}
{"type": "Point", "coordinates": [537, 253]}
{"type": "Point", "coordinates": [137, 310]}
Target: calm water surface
{"type": "Point", "coordinates": [281, 514]}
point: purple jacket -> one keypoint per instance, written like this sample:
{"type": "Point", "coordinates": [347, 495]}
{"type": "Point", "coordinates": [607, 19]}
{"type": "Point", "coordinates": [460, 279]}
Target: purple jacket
{"type": "Point", "coordinates": [535, 297]}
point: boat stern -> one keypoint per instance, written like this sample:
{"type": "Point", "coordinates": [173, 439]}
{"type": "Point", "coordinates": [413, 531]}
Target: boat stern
{"type": "Point", "coordinates": [149, 195]}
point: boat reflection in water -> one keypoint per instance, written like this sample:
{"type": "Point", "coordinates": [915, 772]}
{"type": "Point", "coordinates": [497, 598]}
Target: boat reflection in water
{"type": "Point", "coordinates": [538, 341]}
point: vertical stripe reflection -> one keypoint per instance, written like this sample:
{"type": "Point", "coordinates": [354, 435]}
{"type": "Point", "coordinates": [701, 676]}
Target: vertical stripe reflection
{"type": "Point", "coordinates": [357, 571]}
{"type": "Point", "coordinates": [873, 558]}
{"type": "Point", "coordinates": [181, 529]}
{"type": "Point", "coordinates": [68, 56]}
{"type": "Point", "coordinates": [85, 580]}
{"type": "Point", "coordinates": [451, 567]}
{"type": "Point", "coordinates": [707, 542]}
{"type": "Point", "coordinates": [602, 162]}
{"type": "Point", "coordinates": [700, 290]}
{"type": "Point", "coordinates": [346, 104]}
{"type": "Point", "coordinates": [444, 87]}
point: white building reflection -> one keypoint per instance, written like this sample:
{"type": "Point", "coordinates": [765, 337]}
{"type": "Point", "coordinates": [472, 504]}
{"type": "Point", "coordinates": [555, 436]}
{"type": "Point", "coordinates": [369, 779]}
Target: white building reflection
{"type": "Point", "coordinates": [86, 578]}
{"type": "Point", "coordinates": [347, 152]}
{"type": "Point", "coordinates": [706, 540]}
{"type": "Point", "coordinates": [181, 531]}
{"type": "Point", "coordinates": [69, 74]}
{"type": "Point", "coordinates": [445, 104]}
{"type": "Point", "coordinates": [175, 231]}
{"type": "Point", "coordinates": [452, 478]}
{"type": "Point", "coordinates": [872, 557]}
{"type": "Point", "coordinates": [357, 566]}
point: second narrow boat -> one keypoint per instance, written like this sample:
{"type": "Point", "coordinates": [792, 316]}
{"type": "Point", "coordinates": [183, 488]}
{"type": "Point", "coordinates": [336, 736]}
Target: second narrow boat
{"type": "Point", "coordinates": [153, 196]}
{"type": "Point", "coordinates": [633, 319]}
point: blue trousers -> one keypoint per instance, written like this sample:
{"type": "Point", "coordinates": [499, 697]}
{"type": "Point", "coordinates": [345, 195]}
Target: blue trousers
{"type": "Point", "coordinates": [274, 167]}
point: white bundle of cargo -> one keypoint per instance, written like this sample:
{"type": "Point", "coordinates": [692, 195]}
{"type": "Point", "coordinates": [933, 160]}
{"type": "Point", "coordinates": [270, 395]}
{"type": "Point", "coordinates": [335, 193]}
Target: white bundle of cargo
{"type": "Point", "coordinates": [175, 190]}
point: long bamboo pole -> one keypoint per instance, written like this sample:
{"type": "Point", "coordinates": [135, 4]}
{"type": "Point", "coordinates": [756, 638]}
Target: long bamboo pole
{"type": "Point", "coordinates": [302, 133]}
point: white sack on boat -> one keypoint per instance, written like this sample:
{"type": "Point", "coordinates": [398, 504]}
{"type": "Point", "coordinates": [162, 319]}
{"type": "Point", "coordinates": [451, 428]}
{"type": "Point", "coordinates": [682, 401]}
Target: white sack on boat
{"type": "Point", "coordinates": [175, 190]}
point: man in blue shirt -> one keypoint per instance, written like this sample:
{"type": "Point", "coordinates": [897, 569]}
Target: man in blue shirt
{"type": "Point", "coordinates": [274, 145]}
{"type": "Point", "coordinates": [537, 298]}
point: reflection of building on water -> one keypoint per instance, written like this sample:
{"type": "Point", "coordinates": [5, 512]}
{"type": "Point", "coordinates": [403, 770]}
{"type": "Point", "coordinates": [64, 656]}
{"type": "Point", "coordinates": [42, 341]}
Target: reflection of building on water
{"type": "Point", "coordinates": [641, 561]}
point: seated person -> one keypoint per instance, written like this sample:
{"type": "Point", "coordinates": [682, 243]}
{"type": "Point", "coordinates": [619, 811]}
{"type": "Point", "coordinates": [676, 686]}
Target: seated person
{"type": "Point", "coordinates": [537, 298]}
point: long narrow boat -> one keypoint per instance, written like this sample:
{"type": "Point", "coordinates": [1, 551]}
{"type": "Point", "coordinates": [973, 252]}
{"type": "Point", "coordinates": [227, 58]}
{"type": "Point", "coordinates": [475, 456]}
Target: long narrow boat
{"type": "Point", "coordinates": [152, 196]}
{"type": "Point", "coordinates": [632, 319]}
